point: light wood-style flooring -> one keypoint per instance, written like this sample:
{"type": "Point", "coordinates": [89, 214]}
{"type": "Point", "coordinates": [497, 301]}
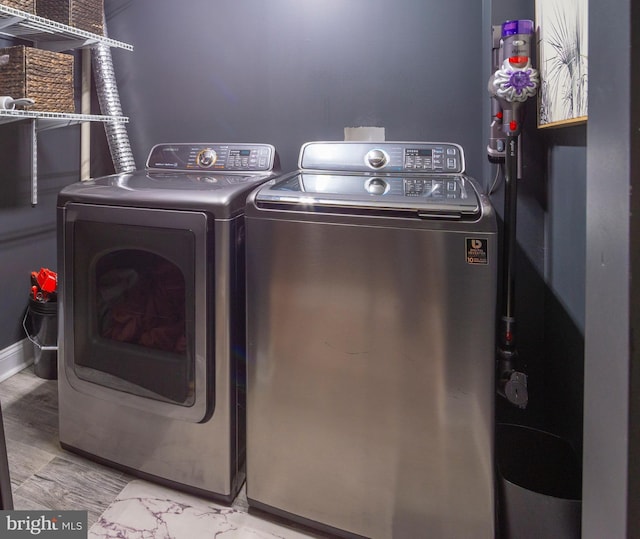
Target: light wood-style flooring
{"type": "Point", "coordinates": [43, 475]}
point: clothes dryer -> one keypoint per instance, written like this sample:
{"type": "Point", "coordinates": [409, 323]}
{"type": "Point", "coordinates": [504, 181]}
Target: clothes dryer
{"type": "Point", "coordinates": [152, 315]}
{"type": "Point", "coordinates": [371, 319]}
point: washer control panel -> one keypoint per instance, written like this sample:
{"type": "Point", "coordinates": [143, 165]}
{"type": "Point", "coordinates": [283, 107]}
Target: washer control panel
{"type": "Point", "coordinates": [212, 157]}
{"type": "Point", "coordinates": [392, 157]}
{"type": "Point", "coordinates": [436, 187]}
{"type": "Point", "coordinates": [434, 159]}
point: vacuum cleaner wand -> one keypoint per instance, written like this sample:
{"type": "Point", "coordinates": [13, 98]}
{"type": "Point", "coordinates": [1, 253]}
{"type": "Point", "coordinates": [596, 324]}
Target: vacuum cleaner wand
{"type": "Point", "coordinates": [511, 85]}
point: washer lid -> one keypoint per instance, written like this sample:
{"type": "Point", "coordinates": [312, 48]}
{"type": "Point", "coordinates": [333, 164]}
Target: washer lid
{"type": "Point", "coordinates": [425, 196]}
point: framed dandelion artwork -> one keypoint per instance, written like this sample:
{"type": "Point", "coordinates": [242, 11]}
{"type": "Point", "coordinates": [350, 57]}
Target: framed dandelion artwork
{"type": "Point", "coordinates": [562, 27]}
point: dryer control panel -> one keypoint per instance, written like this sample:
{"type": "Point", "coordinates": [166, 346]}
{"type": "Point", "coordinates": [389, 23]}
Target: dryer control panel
{"type": "Point", "coordinates": [213, 157]}
{"type": "Point", "coordinates": [393, 157]}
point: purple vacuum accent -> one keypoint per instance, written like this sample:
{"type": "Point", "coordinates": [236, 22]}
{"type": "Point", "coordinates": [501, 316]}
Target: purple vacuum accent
{"type": "Point", "coordinates": [520, 80]}
{"type": "Point", "coordinates": [521, 26]}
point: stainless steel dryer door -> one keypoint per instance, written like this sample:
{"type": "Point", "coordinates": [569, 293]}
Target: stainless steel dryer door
{"type": "Point", "coordinates": [134, 329]}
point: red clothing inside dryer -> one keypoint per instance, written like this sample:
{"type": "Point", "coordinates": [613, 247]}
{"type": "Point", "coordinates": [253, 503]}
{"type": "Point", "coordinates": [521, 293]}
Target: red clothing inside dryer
{"type": "Point", "coordinates": [151, 311]}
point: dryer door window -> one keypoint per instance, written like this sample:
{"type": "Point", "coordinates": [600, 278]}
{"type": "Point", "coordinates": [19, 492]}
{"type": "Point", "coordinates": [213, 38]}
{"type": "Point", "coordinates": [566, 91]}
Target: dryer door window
{"type": "Point", "coordinates": [135, 323]}
{"type": "Point", "coordinates": [135, 305]}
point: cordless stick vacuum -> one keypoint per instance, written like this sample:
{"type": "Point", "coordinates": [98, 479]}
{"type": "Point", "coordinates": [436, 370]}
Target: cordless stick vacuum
{"type": "Point", "coordinates": [510, 86]}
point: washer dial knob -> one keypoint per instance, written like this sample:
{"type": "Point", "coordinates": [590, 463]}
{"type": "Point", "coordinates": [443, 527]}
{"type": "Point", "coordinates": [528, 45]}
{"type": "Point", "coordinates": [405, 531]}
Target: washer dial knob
{"type": "Point", "coordinates": [376, 158]}
{"type": "Point", "coordinates": [376, 186]}
{"type": "Point", "coordinates": [206, 158]}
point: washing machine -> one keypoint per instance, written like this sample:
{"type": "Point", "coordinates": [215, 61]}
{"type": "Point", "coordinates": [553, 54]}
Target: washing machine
{"type": "Point", "coordinates": [152, 315]}
{"type": "Point", "coordinates": [371, 287]}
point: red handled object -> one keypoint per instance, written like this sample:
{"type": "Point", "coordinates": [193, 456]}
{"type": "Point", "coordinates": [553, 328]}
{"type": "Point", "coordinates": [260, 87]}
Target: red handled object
{"type": "Point", "coordinates": [47, 280]}
{"type": "Point", "coordinates": [44, 284]}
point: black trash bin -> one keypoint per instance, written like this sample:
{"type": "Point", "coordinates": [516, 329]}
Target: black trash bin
{"type": "Point", "coordinates": [41, 326]}
{"type": "Point", "coordinates": [540, 483]}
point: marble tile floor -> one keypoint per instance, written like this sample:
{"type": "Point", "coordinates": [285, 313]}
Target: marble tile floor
{"type": "Point", "coordinates": [46, 477]}
{"type": "Point", "coordinates": [147, 511]}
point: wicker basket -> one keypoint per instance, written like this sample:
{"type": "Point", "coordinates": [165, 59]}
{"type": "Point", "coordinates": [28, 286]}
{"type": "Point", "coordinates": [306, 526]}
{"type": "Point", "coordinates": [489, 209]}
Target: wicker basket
{"type": "Point", "coordinates": [24, 5]}
{"type": "Point", "coordinates": [44, 76]}
{"type": "Point", "coordinates": [83, 14]}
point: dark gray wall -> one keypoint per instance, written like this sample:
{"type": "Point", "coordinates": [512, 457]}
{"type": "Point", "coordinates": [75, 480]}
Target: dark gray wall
{"type": "Point", "coordinates": [633, 452]}
{"type": "Point", "coordinates": [27, 237]}
{"type": "Point", "coordinates": [612, 382]}
{"type": "Point", "coordinates": [286, 71]}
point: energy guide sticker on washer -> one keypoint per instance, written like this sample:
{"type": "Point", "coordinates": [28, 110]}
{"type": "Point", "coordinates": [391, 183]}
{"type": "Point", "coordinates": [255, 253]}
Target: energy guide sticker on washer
{"type": "Point", "coordinates": [477, 251]}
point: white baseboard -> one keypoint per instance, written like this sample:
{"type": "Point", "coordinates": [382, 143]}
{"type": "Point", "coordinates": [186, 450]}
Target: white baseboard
{"type": "Point", "coordinates": [14, 358]}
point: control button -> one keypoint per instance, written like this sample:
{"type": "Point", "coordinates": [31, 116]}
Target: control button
{"type": "Point", "coordinates": [451, 185]}
{"type": "Point", "coordinates": [500, 145]}
{"type": "Point", "coordinates": [451, 151]}
{"type": "Point", "coordinates": [376, 158]}
{"type": "Point", "coordinates": [206, 158]}
{"type": "Point", "coordinates": [376, 186]}
{"type": "Point", "coordinates": [451, 163]}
